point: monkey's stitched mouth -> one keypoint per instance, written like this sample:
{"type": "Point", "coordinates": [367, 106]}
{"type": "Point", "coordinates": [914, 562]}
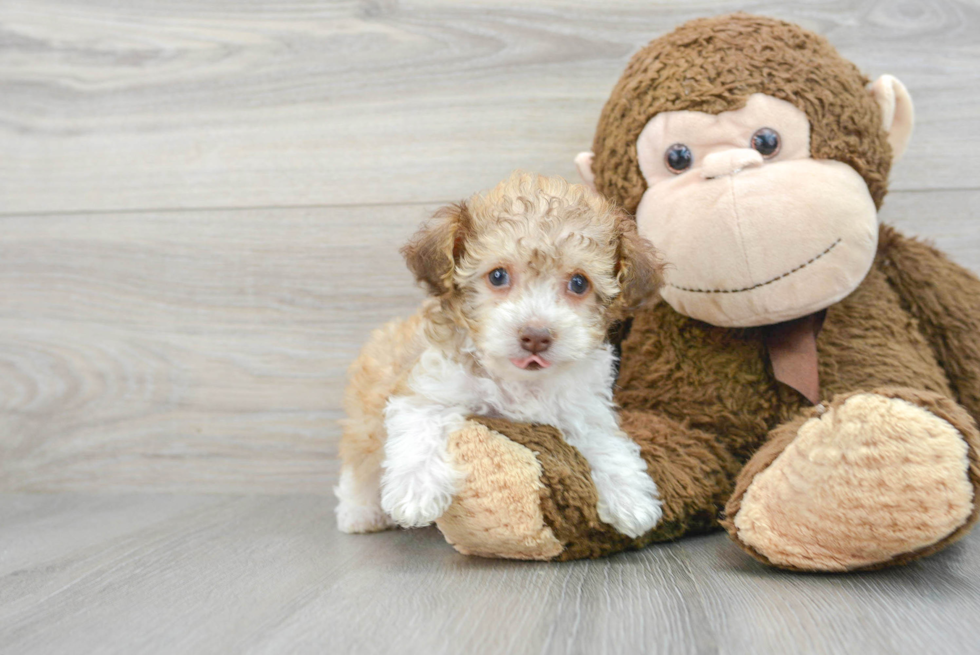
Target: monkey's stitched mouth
{"type": "Point", "coordinates": [762, 284]}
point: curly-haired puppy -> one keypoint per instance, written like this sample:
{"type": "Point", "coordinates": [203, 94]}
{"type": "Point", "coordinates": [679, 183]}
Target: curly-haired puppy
{"type": "Point", "coordinates": [525, 282]}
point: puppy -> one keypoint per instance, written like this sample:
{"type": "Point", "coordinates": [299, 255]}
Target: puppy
{"type": "Point", "coordinates": [524, 282]}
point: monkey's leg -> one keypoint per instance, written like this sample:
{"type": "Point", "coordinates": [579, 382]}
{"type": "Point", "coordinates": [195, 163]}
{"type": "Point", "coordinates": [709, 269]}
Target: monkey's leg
{"type": "Point", "coordinates": [880, 478]}
{"type": "Point", "coordinates": [529, 495]}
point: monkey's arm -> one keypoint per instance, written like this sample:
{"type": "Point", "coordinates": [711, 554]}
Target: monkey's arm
{"type": "Point", "coordinates": [945, 298]}
{"type": "Point", "coordinates": [528, 494]}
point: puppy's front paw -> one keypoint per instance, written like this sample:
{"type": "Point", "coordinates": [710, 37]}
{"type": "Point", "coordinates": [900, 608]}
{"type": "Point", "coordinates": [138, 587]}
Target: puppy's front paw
{"type": "Point", "coordinates": [415, 499]}
{"type": "Point", "coordinates": [631, 506]}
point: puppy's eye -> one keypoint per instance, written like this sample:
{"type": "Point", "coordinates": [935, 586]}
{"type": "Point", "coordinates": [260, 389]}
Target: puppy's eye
{"type": "Point", "coordinates": [678, 158]}
{"type": "Point", "coordinates": [766, 141]}
{"type": "Point", "coordinates": [578, 284]}
{"type": "Point", "coordinates": [498, 277]}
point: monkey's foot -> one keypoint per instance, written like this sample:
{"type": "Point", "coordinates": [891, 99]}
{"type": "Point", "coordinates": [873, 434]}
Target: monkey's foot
{"type": "Point", "coordinates": [880, 478]}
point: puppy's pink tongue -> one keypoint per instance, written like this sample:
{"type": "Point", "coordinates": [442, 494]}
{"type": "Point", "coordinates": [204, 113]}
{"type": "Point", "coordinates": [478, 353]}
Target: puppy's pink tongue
{"type": "Point", "coordinates": [527, 361]}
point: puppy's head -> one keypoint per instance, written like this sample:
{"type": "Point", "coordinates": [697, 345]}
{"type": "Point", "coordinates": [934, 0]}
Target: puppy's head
{"type": "Point", "coordinates": [531, 274]}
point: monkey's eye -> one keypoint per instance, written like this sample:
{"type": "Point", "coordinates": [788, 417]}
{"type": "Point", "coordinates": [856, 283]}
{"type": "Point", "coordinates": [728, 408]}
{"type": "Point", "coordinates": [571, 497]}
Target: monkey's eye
{"type": "Point", "coordinates": [766, 141]}
{"type": "Point", "coordinates": [578, 284]}
{"type": "Point", "coordinates": [678, 158]}
{"type": "Point", "coordinates": [498, 277]}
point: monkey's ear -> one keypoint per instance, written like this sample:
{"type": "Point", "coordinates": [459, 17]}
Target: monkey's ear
{"type": "Point", "coordinates": [897, 113]}
{"type": "Point", "coordinates": [435, 249]}
{"type": "Point", "coordinates": [583, 162]}
{"type": "Point", "coordinates": [639, 269]}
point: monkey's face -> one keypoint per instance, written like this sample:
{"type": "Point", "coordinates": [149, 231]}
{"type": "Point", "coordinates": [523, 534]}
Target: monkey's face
{"type": "Point", "coordinates": [754, 231]}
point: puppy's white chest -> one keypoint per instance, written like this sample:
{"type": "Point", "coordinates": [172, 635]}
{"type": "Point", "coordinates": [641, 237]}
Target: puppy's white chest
{"type": "Point", "coordinates": [559, 400]}
{"type": "Point", "coordinates": [527, 403]}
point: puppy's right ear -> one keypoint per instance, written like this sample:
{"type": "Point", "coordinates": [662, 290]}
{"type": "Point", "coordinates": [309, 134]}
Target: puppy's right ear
{"type": "Point", "coordinates": [432, 253]}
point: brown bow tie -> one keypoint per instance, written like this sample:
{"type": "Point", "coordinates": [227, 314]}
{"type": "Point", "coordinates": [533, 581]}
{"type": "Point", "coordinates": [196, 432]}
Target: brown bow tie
{"type": "Point", "coordinates": [792, 349]}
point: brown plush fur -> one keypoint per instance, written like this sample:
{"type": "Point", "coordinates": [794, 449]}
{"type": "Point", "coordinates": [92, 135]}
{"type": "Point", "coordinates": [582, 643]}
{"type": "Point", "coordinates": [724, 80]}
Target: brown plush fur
{"type": "Point", "coordinates": [937, 406]}
{"type": "Point", "coordinates": [943, 299]}
{"type": "Point", "coordinates": [693, 472]}
{"type": "Point", "coordinates": [702, 401]}
{"type": "Point", "coordinates": [719, 380]}
{"type": "Point", "coordinates": [709, 416]}
{"type": "Point", "coordinates": [502, 509]}
{"type": "Point", "coordinates": [713, 65]}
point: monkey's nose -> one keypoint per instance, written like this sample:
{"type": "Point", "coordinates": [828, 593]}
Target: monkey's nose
{"type": "Point", "coordinates": [535, 340]}
{"type": "Point", "coordinates": [729, 162]}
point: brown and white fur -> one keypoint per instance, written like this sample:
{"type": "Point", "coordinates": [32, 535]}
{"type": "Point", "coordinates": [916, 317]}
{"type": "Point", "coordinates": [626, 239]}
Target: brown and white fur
{"type": "Point", "coordinates": [532, 349]}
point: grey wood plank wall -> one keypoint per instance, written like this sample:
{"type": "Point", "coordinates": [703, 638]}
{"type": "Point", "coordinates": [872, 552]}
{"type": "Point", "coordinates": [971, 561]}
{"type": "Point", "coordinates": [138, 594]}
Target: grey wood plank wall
{"type": "Point", "coordinates": [201, 200]}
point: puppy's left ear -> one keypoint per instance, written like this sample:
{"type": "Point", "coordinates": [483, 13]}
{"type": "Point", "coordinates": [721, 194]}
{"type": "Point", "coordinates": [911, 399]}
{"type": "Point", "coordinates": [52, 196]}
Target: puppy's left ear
{"type": "Point", "coordinates": [435, 249]}
{"type": "Point", "coordinates": [639, 269]}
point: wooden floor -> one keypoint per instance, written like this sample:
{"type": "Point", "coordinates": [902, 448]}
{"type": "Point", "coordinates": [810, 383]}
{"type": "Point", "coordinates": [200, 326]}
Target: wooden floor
{"type": "Point", "coordinates": [270, 574]}
{"type": "Point", "coordinates": [201, 203]}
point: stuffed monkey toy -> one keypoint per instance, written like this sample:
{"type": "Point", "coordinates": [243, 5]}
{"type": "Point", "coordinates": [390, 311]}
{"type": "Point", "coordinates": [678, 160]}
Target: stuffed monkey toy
{"type": "Point", "coordinates": [810, 379]}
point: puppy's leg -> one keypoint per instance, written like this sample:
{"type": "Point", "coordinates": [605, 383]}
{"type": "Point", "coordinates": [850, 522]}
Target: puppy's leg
{"type": "Point", "coordinates": [628, 497]}
{"type": "Point", "coordinates": [361, 452]}
{"type": "Point", "coordinates": [359, 494]}
{"type": "Point", "coordinates": [419, 481]}
{"type": "Point", "coordinates": [374, 376]}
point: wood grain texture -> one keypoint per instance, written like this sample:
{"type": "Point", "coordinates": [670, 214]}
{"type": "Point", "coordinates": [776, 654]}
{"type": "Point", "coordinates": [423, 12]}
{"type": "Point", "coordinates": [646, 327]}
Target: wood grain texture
{"type": "Point", "coordinates": [203, 349]}
{"type": "Point", "coordinates": [165, 574]}
{"type": "Point", "coordinates": [222, 103]}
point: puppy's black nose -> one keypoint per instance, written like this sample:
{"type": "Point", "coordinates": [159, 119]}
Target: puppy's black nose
{"type": "Point", "coordinates": [535, 340]}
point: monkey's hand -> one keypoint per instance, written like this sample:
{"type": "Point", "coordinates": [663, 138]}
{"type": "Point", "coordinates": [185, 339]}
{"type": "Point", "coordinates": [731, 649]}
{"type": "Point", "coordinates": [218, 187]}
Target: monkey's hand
{"type": "Point", "coordinates": [528, 494]}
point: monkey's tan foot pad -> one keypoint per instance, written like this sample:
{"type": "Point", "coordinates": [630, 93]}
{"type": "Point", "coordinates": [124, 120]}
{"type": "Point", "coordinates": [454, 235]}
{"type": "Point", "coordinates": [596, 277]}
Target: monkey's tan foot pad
{"type": "Point", "coordinates": [879, 479]}
{"type": "Point", "coordinates": [497, 512]}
